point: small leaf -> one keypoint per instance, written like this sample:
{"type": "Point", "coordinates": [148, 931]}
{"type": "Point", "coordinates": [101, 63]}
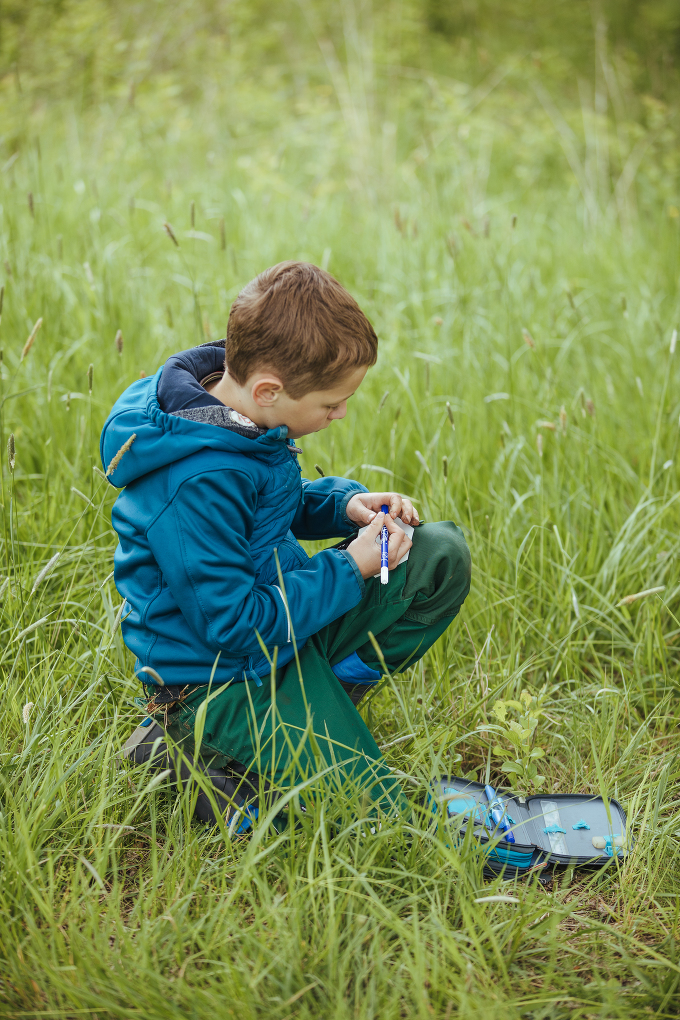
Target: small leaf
{"type": "Point", "coordinates": [500, 710]}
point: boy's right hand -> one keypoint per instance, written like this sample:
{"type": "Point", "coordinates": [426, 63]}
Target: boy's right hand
{"type": "Point", "coordinates": [365, 550]}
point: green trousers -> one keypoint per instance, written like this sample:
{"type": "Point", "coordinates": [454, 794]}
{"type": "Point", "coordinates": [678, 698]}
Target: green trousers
{"type": "Point", "coordinates": [302, 721]}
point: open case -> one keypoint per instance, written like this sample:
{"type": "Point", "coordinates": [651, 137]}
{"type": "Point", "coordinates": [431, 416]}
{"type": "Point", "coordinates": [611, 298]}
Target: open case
{"type": "Point", "coordinates": [549, 828]}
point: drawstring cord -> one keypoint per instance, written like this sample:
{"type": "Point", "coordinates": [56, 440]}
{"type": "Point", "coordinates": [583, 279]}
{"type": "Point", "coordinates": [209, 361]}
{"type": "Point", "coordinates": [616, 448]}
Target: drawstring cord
{"type": "Point", "coordinates": [250, 674]}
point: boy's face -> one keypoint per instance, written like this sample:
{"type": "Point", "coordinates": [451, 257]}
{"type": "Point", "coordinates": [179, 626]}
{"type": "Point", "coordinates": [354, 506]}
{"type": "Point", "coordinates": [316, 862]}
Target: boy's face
{"type": "Point", "coordinates": [264, 400]}
{"type": "Point", "coordinates": [318, 408]}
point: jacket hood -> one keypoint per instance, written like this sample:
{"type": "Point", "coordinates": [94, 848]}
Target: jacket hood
{"type": "Point", "coordinates": [161, 438]}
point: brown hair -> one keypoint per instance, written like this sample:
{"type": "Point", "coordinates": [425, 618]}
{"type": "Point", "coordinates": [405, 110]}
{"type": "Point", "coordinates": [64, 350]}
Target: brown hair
{"type": "Point", "coordinates": [298, 321]}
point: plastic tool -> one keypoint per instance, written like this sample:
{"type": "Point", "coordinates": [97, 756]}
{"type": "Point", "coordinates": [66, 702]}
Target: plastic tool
{"type": "Point", "coordinates": [497, 812]}
{"type": "Point", "coordinates": [384, 545]}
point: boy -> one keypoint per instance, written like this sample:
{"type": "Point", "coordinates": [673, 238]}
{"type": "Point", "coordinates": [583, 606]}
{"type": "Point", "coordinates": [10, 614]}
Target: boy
{"type": "Point", "coordinates": [209, 561]}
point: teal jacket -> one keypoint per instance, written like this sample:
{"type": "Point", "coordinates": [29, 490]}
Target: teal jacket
{"type": "Point", "coordinates": [203, 515]}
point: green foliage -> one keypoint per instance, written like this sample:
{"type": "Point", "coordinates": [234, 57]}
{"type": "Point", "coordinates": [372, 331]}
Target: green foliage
{"type": "Point", "coordinates": [520, 762]}
{"type": "Point", "coordinates": [513, 234]}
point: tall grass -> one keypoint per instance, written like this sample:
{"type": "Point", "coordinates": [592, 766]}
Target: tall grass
{"type": "Point", "coordinates": [518, 253]}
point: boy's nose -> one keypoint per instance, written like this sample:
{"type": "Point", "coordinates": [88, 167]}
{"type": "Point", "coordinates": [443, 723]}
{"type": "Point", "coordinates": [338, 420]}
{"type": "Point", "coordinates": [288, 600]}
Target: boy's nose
{"type": "Point", "coordinates": [339, 411]}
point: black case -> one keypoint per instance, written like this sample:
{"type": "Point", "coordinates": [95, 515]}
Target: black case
{"type": "Point", "coordinates": [531, 816]}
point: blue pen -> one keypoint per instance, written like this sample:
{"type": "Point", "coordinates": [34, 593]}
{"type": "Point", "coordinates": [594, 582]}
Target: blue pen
{"type": "Point", "coordinates": [497, 812]}
{"type": "Point", "coordinates": [384, 541]}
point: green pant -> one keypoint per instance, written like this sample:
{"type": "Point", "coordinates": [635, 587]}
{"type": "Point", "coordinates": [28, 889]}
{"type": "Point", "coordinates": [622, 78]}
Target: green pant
{"type": "Point", "coordinates": [268, 729]}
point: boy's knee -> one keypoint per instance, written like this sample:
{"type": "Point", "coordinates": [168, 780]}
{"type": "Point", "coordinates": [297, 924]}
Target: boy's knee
{"type": "Point", "coordinates": [440, 564]}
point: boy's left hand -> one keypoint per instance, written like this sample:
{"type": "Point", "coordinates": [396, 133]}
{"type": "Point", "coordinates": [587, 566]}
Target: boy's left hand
{"type": "Point", "coordinates": [363, 506]}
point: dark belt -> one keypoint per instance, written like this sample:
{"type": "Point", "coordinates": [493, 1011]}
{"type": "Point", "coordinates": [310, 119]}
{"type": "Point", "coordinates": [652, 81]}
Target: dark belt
{"type": "Point", "coordinates": [166, 699]}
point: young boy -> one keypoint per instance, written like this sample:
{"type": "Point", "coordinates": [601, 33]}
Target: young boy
{"type": "Point", "coordinates": [209, 562]}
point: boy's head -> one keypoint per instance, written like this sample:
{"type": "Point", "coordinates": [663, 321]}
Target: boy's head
{"type": "Point", "coordinates": [297, 346]}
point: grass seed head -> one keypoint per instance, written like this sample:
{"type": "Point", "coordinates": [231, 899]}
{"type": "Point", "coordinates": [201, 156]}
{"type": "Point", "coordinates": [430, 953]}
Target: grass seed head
{"type": "Point", "coordinates": [90, 378]}
{"type": "Point", "coordinates": [11, 452]}
{"type": "Point", "coordinates": [627, 600]}
{"type": "Point", "coordinates": [450, 415]}
{"type": "Point", "coordinates": [119, 456]}
{"type": "Point", "coordinates": [29, 343]}
{"type": "Point", "coordinates": [47, 569]}
{"type": "Point", "coordinates": [321, 471]}
{"type": "Point", "coordinates": [119, 341]}
{"type": "Point", "coordinates": [26, 711]}
{"type": "Point", "coordinates": [30, 204]}
{"type": "Point", "coordinates": [674, 339]}
{"type": "Point", "coordinates": [2, 297]}
{"type": "Point", "coordinates": [171, 234]}
{"type": "Point", "coordinates": [528, 339]}
{"type": "Point", "coordinates": [445, 467]}
{"type": "Point", "coordinates": [539, 444]}
{"type": "Point", "coordinates": [563, 419]}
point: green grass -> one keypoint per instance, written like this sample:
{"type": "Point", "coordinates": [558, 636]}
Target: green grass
{"type": "Point", "coordinates": [399, 160]}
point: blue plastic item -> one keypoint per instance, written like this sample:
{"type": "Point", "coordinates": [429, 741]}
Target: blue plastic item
{"type": "Point", "coordinates": [581, 825]}
{"type": "Point", "coordinates": [251, 813]}
{"type": "Point", "coordinates": [609, 849]}
{"type": "Point", "coordinates": [555, 828]}
{"type": "Point", "coordinates": [463, 806]}
{"type": "Point", "coordinates": [497, 812]}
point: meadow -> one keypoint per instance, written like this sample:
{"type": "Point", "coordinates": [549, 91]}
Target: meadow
{"type": "Point", "coordinates": [505, 206]}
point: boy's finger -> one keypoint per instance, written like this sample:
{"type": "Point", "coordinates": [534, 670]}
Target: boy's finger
{"type": "Point", "coordinates": [392, 526]}
{"type": "Point", "coordinates": [395, 504]}
{"type": "Point", "coordinates": [407, 511]}
{"type": "Point", "coordinates": [375, 527]}
{"type": "Point", "coordinates": [398, 545]}
{"type": "Point", "coordinates": [362, 511]}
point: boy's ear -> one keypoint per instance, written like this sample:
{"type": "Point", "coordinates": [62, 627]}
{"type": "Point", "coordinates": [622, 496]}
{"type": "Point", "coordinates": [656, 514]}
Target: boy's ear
{"type": "Point", "coordinates": [265, 390]}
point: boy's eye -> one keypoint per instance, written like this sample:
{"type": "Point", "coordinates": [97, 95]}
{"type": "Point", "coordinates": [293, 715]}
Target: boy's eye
{"type": "Point", "coordinates": [332, 407]}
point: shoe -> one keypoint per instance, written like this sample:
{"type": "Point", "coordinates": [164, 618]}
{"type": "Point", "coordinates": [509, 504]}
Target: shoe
{"type": "Point", "coordinates": [147, 743]}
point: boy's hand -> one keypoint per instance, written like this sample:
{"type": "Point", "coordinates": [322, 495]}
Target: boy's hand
{"type": "Point", "coordinates": [365, 550]}
{"type": "Point", "coordinates": [363, 507]}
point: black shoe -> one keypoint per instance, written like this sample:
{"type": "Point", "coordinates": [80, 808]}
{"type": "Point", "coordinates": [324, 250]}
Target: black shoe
{"type": "Point", "coordinates": [148, 743]}
{"type": "Point", "coordinates": [355, 691]}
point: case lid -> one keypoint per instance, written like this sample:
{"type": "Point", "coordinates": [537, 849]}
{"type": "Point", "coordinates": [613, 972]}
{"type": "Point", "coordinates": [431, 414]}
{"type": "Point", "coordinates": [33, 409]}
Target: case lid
{"type": "Point", "coordinates": [582, 817]}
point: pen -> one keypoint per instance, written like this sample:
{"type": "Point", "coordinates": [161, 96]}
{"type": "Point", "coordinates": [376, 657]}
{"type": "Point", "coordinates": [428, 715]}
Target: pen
{"type": "Point", "coordinates": [497, 812]}
{"type": "Point", "coordinates": [384, 540]}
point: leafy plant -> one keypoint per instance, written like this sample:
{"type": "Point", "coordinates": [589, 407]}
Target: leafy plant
{"type": "Point", "coordinates": [520, 761]}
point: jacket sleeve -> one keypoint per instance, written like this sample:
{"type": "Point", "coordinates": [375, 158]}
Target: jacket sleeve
{"type": "Point", "coordinates": [321, 511]}
{"type": "Point", "coordinates": [201, 543]}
